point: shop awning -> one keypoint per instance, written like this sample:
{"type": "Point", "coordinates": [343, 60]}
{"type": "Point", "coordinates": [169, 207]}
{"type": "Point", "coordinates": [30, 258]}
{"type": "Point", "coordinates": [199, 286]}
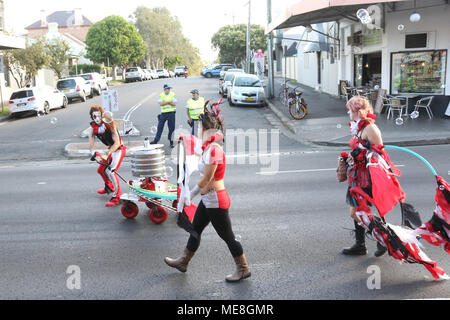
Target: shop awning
{"type": "Point", "coordinates": [308, 12]}
{"type": "Point", "coordinates": [11, 42]}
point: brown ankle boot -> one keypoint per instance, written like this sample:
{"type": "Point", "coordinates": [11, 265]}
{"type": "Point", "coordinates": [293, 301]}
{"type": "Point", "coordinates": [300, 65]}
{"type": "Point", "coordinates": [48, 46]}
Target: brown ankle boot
{"type": "Point", "coordinates": [182, 262]}
{"type": "Point", "coordinates": [242, 270]}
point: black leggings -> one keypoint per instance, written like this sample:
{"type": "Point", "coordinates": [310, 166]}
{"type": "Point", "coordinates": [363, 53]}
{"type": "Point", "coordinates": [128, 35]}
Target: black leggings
{"type": "Point", "coordinates": [220, 220]}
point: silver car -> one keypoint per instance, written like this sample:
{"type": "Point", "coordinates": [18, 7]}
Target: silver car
{"type": "Point", "coordinates": [246, 89]}
{"type": "Point", "coordinates": [225, 84]}
{"type": "Point", "coordinates": [75, 88]}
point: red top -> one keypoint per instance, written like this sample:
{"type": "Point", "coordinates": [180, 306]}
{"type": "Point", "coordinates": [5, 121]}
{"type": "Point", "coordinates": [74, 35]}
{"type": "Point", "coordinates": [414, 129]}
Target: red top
{"type": "Point", "coordinates": [215, 155]}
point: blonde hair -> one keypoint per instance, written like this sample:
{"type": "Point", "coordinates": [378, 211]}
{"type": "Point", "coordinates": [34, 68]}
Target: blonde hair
{"type": "Point", "coordinates": [361, 105]}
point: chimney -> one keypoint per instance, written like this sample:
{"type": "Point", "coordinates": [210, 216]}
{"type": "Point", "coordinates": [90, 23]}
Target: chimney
{"type": "Point", "coordinates": [53, 28]}
{"type": "Point", "coordinates": [78, 17]}
{"type": "Point", "coordinates": [43, 18]}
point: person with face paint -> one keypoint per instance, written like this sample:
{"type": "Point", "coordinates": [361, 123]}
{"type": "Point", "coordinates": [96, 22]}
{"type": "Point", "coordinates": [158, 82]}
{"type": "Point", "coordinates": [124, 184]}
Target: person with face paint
{"type": "Point", "coordinates": [365, 134]}
{"type": "Point", "coordinates": [215, 202]}
{"type": "Point", "coordinates": [105, 129]}
{"type": "Point", "coordinates": [195, 108]}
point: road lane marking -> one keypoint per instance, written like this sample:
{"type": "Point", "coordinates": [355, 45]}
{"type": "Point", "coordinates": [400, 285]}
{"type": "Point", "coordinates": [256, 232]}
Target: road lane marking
{"type": "Point", "coordinates": [136, 106]}
{"type": "Point", "coordinates": [303, 171]}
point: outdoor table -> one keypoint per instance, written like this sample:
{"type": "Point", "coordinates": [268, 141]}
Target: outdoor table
{"type": "Point", "coordinates": [407, 96]}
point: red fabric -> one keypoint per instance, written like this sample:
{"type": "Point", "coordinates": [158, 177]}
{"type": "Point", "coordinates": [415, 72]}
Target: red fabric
{"type": "Point", "coordinates": [441, 201]}
{"type": "Point", "coordinates": [218, 158]}
{"type": "Point", "coordinates": [434, 239]}
{"type": "Point", "coordinates": [189, 142]}
{"type": "Point", "coordinates": [224, 199]}
{"type": "Point", "coordinates": [190, 211]}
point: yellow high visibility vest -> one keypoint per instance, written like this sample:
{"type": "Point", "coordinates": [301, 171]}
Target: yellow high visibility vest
{"type": "Point", "coordinates": [167, 98]}
{"type": "Point", "coordinates": [196, 107]}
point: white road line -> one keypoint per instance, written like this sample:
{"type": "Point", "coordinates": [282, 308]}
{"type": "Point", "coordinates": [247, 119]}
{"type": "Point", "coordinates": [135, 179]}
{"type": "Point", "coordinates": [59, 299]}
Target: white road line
{"type": "Point", "coordinates": [302, 171]}
{"type": "Point", "coordinates": [136, 106]}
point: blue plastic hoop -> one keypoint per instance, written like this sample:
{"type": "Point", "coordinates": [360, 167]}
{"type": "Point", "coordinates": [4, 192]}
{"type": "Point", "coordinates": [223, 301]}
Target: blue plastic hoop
{"type": "Point", "coordinates": [414, 154]}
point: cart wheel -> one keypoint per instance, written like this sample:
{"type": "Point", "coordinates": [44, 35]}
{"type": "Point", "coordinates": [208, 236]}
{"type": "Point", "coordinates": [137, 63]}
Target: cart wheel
{"type": "Point", "coordinates": [158, 215]}
{"type": "Point", "coordinates": [150, 205]}
{"type": "Point", "coordinates": [129, 210]}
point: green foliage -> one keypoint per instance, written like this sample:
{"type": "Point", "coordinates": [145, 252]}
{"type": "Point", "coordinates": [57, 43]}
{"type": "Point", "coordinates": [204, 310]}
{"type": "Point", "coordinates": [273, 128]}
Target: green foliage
{"type": "Point", "coordinates": [58, 52]}
{"type": "Point", "coordinates": [116, 39]}
{"type": "Point", "coordinates": [24, 64]}
{"type": "Point", "coordinates": [86, 68]}
{"type": "Point", "coordinates": [164, 39]}
{"type": "Point", "coordinates": [230, 40]}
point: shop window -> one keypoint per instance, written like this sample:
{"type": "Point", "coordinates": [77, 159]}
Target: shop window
{"type": "Point", "coordinates": [418, 72]}
{"type": "Point", "coordinates": [418, 40]}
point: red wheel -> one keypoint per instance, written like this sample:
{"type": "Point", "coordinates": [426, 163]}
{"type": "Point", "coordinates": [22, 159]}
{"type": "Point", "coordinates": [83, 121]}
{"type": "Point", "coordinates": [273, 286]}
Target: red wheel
{"type": "Point", "coordinates": [129, 210]}
{"type": "Point", "coordinates": [150, 205]}
{"type": "Point", "coordinates": [158, 215]}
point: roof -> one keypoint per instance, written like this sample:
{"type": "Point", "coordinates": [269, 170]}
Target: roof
{"type": "Point", "coordinates": [307, 12]}
{"type": "Point", "coordinates": [62, 18]}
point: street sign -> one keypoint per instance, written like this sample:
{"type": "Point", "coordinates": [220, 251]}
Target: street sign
{"type": "Point", "coordinates": [110, 100]}
{"type": "Point", "coordinates": [259, 64]}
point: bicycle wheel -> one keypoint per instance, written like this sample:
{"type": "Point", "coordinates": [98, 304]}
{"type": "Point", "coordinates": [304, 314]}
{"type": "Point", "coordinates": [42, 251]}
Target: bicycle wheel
{"type": "Point", "coordinates": [282, 97]}
{"type": "Point", "coordinates": [298, 112]}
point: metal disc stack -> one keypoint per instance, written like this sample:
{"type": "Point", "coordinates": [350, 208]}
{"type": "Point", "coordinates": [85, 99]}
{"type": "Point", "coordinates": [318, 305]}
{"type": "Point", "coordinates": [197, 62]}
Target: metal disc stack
{"type": "Point", "coordinates": [148, 163]}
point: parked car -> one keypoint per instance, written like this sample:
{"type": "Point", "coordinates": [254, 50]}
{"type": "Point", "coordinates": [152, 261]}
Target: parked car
{"type": "Point", "coordinates": [36, 99]}
{"type": "Point", "coordinates": [179, 71]}
{"type": "Point", "coordinates": [171, 73]}
{"type": "Point", "coordinates": [221, 79]}
{"type": "Point", "coordinates": [225, 84]}
{"type": "Point", "coordinates": [162, 73]}
{"type": "Point", "coordinates": [75, 88]}
{"type": "Point", "coordinates": [150, 73]}
{"type": "Point", "coordinates": [147, 74]}
{"type": "Point", "coordinates": [96, 80]}
{"type": "Point", "coordinates": [134, 74]}
{"type": "Point", "coordinates": [223, 70]}
{"type": "Point", "coordinates": [214, 70]}
{"type": "Point", "coordinates": [246, 89]}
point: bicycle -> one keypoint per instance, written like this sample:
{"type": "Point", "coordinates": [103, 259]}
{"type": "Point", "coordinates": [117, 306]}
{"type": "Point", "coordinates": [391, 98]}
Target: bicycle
{"type": "Point", "coordinates": [284, 93]}
{"type": "Point", "coordinates": [297, 105]}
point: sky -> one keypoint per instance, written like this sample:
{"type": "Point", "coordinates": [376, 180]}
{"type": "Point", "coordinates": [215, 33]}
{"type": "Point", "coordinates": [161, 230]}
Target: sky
{"type": "Point", "coordinates": [200, 18]}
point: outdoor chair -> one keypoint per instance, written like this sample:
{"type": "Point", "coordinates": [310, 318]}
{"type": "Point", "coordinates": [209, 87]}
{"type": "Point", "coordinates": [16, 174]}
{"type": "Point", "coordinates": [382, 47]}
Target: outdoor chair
{"type": "Point", "coordinates": [425, 103]}
{"type": "Point", "coordinates": [395, 104]}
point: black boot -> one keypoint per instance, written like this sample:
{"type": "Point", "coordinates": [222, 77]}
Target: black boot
{"type": "Point", "coordinates": [359, 248]}
{"type": "Point", "coordinates": [380, 250]}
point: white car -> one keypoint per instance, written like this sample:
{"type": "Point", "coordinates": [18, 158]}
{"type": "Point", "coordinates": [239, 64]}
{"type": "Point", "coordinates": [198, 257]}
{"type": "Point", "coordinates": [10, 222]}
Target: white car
{"type": "Point", "coordinates": [246, 89]}
{"type": "Point", "coordinates": [97, 81]}
{"type": "Point", "coordinates": [147, 74]}
{"type": "Point", "coordinates": [154, 74]}
{"type": "Point", "coordinates": [75, 88]}
{"type": "Point", "coordinates": [225, 84]}
{"type": "Point", "coordinates": [171, 74]}
{"type": "Point", "coordinates": [162, 73]}
{"type": "Point", "coordinates": [134, 74]}
{"type": "Point", "coordinates": [37, 99]}
{"type": "Point", "coordinates": [179, 71]}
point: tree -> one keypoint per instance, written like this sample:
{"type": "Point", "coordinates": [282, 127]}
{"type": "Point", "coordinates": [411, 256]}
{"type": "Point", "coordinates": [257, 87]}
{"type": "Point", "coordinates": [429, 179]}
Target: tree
{"type": "Point", "coordinates": [116, 40]}
{"type": "Point", "coordinates": [24, 64]}
{"type": "Point", "coordinates": [231, 42]}
{"type": "Point", "coordinates": [164, 39]}
{"type": "Point", "coordinates": [58, 52]}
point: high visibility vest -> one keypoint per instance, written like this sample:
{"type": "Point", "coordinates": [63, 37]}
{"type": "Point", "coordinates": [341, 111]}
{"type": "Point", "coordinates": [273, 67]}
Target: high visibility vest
{"type": "Point", "coordinates": [167, 98]}
{"type": "Point", "coordinates": [196, 107]}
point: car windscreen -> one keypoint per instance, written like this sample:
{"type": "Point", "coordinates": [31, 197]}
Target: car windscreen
{"type": "Point", "coordinates": [159, 70]}
{"type": "Point", "coordinates": [229, 77]}
{"type": "Point", "coordinates": [22, 94]}
{"type": "Point", "coordinates": [86, 76]}
{"type": "Point", "coordinates": [247, 82]}
{"type": "Point", "coordinates": [132, 70]}
{"type": "Point", "coordinates": [65, 84]}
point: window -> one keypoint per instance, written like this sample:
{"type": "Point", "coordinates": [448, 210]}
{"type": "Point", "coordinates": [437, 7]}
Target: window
{"type": "Point", "coordinates": [418, 72]}
{"type": "Point", "coordinates": [66, 84]}
{"type": "Point", "coordinates": [22, 94]}
{"type": "Point", "coordinates": [247, 82]}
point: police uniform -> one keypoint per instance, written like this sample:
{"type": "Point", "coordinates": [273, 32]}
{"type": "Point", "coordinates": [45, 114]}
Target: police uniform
{"type": "Point", "coordinates": [196, 108]}
{"type": "Point", "coordinates": [167, 114]}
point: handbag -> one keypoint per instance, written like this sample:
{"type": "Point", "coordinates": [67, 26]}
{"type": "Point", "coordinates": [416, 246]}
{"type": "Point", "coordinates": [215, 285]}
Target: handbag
{"type": "Point", "coordinates": [342, 168]}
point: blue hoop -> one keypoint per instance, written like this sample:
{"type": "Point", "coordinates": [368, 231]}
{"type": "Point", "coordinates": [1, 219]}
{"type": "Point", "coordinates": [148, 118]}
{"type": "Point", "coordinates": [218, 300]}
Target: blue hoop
{"type": "Point", "coordinates": [415, 154]}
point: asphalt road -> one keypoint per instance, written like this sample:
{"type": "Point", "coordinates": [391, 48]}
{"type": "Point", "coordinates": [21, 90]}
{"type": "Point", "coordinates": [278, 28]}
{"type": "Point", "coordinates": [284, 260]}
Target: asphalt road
{"type": "Point", "coordinates": [32, 138]}
{"type": "Point", "coordinates": [291, 226]}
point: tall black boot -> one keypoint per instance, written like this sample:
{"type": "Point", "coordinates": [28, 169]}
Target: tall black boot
{"type": "Point", "coordinates": [380, 250]}
{"type": "Point", "coordinates": [359, 248]}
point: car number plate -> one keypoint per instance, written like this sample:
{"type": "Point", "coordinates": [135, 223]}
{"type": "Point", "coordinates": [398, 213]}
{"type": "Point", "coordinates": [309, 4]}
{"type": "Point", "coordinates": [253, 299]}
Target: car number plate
{"type": "Point", "coordinates": [249, 99]}
{"type": "Point", "coordinates": [21, 104]}
{"type": "Point", "coordinates": [67, 90]}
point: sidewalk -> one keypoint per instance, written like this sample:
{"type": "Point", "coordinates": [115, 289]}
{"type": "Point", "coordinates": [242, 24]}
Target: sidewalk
{"type": "Point", "coordinates": [327, 122]}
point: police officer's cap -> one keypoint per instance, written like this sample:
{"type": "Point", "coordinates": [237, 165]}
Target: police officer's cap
{"type": "Point", "coordinates": [194, 91]}
{"type": "Point", "coordinates": [166, 86]}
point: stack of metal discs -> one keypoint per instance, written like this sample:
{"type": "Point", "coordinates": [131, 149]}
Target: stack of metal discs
{"type": "Point", "coordinates": [148, 163]}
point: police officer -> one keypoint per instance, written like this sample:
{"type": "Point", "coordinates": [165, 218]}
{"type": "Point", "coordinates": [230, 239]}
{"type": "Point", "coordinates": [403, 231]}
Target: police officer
{"type": "Point", "coordinates": [168, 103]}
{"type": "Point", "coordinates": [195, 107]}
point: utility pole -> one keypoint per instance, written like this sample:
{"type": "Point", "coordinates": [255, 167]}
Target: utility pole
{"type": "Point", "coordinates": [270, 51]}
{"type": "Point", "coordinates": [248, 58]}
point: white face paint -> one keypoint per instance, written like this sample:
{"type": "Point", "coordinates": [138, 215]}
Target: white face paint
{"type": "Point", "coordinates": [97, 117]}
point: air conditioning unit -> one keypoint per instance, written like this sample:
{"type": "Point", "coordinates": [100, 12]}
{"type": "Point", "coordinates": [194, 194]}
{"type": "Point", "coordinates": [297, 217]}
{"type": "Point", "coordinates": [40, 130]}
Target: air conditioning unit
{"type": "Point", "coordinates": [355, 39]}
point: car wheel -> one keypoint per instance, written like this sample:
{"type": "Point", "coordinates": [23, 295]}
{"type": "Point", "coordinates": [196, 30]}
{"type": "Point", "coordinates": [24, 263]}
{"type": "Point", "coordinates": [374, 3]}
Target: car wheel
{"type": "Point", "coordinates": [91, 95]}
{"type": "Point", "coordinates": [208, 75]}
{"type": "Point", "coordinates": [65, 102]}
{"type": "Point", "coordinates": [230, 102]}
{"type": "Point", "coordinates": [46, 108]}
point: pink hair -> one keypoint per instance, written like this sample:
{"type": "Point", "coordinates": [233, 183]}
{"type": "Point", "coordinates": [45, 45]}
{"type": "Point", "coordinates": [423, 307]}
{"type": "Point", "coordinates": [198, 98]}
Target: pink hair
{"type": "Point", "coordinates": [360, 104]}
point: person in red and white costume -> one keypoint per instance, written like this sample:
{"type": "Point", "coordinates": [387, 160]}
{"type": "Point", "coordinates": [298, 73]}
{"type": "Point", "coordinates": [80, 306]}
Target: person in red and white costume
{"type": "Point", "coordinates": [105, 129]}
{"type": "Point", "coordinates": [215, 201]}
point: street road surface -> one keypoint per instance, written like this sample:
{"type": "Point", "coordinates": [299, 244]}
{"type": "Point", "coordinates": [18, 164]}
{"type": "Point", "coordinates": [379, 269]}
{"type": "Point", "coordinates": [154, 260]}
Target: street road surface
{"type": "Point", "coordinates": [292, 222]}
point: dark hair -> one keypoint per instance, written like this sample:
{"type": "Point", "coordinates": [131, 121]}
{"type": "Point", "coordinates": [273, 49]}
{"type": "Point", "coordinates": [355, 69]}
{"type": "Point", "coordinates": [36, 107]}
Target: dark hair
{"type": "Point", "coordinates": [213, 119]}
